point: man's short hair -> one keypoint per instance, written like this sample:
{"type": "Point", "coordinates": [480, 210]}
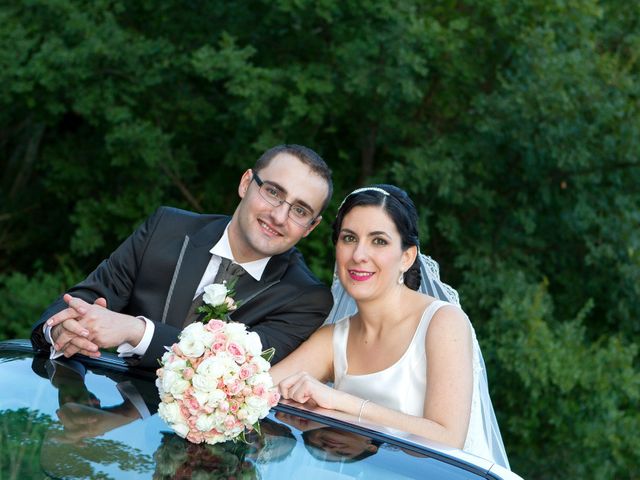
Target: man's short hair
{"type": "Point", "coordinates": [306, 156]}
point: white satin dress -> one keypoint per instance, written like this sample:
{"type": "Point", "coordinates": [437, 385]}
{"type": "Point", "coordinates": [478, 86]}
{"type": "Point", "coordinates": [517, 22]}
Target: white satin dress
{"type": "Point", "coordinates": [403, 385]}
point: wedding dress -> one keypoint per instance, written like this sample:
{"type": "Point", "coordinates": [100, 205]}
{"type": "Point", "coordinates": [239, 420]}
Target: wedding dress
{"type": "Point", "coordinates": [402, 386]}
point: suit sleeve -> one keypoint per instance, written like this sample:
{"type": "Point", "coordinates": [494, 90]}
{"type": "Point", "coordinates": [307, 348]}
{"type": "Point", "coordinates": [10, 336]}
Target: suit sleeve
{"type": "Point", "coordinates": [286, 328]}
{"type": "Point", "coordinates": [113, 279]}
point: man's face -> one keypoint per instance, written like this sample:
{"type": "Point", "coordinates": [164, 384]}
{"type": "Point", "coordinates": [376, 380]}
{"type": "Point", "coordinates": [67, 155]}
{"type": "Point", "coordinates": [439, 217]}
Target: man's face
{"type": "Point", "coordinates": [259, 229]}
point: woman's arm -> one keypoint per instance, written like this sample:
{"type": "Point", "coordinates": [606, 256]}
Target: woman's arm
{"type": "Point", "coordinates": [314, 357]}
{"type": "Point", "coordinates": [449, 385]}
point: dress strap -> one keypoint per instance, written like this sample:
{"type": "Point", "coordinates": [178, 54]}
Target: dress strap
{"type": "Point", "coordinates": [340, 336]}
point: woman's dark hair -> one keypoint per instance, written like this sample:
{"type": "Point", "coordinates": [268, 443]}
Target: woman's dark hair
{"type": "Point", "coordinates": [400, 209]}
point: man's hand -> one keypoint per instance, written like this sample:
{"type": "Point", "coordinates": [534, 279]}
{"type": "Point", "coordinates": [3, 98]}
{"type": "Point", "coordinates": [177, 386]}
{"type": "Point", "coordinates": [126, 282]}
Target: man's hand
{"type": "Point", "coordinates": [86, 328]}
{"type": "Point", "coordinates": [68, 335]}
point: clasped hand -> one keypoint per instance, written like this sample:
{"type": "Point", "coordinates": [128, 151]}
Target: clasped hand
{"type": "Point", "coordinates": [302, 388]}
{"type": "Point", "coordinates": [85, 328]}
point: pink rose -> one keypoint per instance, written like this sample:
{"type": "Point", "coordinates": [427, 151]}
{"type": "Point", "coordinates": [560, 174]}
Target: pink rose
{"type": "Point", "coordinates": [218, 347]}
{"type": "Point", "coordinates": [246, 391]}
{"type": "Point", "coordinates": [259, 390]}
{"type": "Point", "coordinates": [223, 406]}
{"type": "Point", "coordinates": [215, 325]}
{"type": "Point", "coordinates": [235, 388]}
{"type": "Point", "coordinates": [236, 351]}
{"type": "Point", "coordinates": [230, 422]}
{"type": "Point", "coordinates": [274, 397]}
{"type": "Point", "coordinates": [195, 437]}
{"type": "Point", "coordinates": [192, 404]}
{"type": "Point", "coordinates": [188, 373]}
{"type": "Point", "coordinates": [184, 411]}
{"type": "Point", "coordinates": [220, 337]}
{"type": "Point", "coordinates": [160, 372]}
{"type": "Point", "coordinates": [231, 305]}
{"type": "Point", "coordinates": [245, 371]}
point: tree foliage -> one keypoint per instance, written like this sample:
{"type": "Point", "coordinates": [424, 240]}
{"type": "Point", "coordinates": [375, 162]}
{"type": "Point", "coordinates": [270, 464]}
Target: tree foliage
{"type": "Point", "coordinates": [515, 127]}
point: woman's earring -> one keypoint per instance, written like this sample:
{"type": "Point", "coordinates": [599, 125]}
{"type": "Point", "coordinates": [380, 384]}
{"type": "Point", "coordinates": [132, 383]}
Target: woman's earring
{"type": "Point", "coordinates": [401, 278]}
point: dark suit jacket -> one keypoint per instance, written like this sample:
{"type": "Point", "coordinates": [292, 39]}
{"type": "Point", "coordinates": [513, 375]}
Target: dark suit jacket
{"type": "Point", "coordinates": [155, 272]}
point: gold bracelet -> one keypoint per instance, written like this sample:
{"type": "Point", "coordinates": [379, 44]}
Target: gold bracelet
{"type": "Point", "coordinates": [364, 402]}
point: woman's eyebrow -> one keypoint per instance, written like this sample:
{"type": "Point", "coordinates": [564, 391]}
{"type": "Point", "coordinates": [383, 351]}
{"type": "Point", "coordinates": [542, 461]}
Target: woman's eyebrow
{"type": "Point", "coordinates": [379, 232]}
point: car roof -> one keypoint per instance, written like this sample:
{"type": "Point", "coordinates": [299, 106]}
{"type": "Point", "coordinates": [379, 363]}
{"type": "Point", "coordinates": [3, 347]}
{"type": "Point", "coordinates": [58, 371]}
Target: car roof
{"type": "Point", "coordinates": [80, 418]}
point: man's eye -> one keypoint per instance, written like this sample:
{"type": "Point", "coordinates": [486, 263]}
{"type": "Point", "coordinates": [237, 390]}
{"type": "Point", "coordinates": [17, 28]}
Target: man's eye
{"type": "Point", "coordinates": [274, 192]}
{"type": "Point", "coordinates": [299, 211]}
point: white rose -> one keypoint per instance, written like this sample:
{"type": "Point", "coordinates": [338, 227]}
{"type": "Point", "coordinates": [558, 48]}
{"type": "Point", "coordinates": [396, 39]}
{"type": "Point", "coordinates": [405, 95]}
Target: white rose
{"type": "Point", "coordinates": [256, 403]}
{"type": "Point", "coordinates": [192, 340]}
{"type": "Point", "coordinates": [177, 365]}
{"type": "Point", "coordinates": [170, 413]}
{"type": "Point", "coordinates": [263, 379]}
{"type": "Point", "coordinates": [194, 329]}
{"type": "Point", "coordinates": [202, 383]}
{"type": "Point", "coordinates": [212, 367]}
{"type": "Point", "coordinates": [213, 440]}
{"type": "Point", "coordinates": [165, 357]}
{"type": "Point", "coordinates": [261, 363]}
{"type": "Point", "coordinates": [236, 332]}
{"type": "Point", "coordinates": [211, 398]}
{"type": "Point", "coordinates": [252, 344]}
{"type": "Point", "coordinates": [174, 384]}
{"type": "Point", "coordinates": [204, 423]}
{"type": "Point", "coordinates": [215, 294]}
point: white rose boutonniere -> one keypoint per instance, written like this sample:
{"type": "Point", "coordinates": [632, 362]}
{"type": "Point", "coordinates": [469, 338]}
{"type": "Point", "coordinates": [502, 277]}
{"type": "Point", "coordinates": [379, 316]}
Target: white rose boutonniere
{"type": "Point", "coordinates": [218, 301]}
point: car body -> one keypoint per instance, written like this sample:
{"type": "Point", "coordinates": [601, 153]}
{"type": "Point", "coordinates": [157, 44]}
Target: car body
{"type": "Point", "coordinates": [96, 418]}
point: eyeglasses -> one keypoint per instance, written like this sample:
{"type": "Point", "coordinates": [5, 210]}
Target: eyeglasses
{"type": "Point", "coordinates": [299, 214]}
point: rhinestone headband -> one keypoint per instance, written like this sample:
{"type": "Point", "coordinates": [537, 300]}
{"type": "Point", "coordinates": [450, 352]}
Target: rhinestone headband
{"type": "Point", "coordinates": [364, 189]}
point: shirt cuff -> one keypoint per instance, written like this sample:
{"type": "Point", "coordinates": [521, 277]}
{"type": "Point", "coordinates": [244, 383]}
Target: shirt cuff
{"type": "Point", "coordinates": [128, 350]}
{"type": "Point", "coordinates": [53, 353]}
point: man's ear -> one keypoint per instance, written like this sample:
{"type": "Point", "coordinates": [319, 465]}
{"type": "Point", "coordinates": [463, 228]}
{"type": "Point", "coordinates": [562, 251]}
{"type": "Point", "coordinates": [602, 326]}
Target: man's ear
{"type": "Point", "coordinates": [245, 181]}
{"type": "Point", "coordinates": [312, 226]}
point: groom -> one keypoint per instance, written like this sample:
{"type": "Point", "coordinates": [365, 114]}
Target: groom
{"type": "Point", "coordinates": [140, 298]}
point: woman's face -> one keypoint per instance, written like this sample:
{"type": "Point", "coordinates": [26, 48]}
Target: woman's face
{"type": "Point", "coordinates": [369, 253]}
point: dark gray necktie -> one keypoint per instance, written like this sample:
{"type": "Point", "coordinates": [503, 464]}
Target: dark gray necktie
{"type": "Point", "coordinates": [226, 271]}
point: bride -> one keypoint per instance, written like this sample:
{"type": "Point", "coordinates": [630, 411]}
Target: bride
{"type": "Point", "coordinates": [404, 359]}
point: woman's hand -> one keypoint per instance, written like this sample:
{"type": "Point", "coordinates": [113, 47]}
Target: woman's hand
{"type": "Point", "coordinates": [302, 387]}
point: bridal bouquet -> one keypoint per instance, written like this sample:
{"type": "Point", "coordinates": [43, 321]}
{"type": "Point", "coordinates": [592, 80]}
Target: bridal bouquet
{"type": "Point", "coordinates": [214, 384]}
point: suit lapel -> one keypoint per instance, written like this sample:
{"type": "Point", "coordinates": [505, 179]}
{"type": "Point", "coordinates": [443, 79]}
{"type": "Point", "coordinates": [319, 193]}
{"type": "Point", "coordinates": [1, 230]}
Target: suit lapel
{"type": "Point", "coordinates": [195, 260]}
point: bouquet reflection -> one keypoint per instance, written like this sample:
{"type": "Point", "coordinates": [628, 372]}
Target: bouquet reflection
{"type": "Point", "coordinates": [179, 459]}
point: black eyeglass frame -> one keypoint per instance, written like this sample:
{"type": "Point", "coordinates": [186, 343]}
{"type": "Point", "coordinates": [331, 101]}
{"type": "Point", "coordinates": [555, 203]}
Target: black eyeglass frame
{"type": "Point", "coordinates": [260, 183]}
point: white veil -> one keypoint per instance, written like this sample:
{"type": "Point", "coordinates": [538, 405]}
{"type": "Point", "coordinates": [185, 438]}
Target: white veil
{"type": "Point", "coordinates": [483, 437]}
